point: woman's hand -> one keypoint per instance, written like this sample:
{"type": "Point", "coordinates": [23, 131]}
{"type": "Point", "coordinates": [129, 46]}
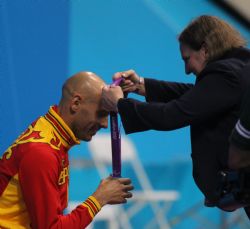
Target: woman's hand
{"type": "Point", "coordinates": [131, 82]}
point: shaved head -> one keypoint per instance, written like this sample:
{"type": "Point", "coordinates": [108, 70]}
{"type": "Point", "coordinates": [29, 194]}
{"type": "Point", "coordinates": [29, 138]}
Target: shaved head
{"type": "Point", "coordinates": [87, 84]}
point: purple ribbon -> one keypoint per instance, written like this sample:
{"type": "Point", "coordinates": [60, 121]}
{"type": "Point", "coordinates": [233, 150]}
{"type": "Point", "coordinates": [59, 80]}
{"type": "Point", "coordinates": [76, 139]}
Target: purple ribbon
{"type": "Point", "coordinates": [115, 140]}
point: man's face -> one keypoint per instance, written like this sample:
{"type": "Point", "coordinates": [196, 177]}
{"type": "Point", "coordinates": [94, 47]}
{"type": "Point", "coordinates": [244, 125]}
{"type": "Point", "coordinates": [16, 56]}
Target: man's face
{"type": "Point", "coordinates": [88, 120]}
{"type": "Point", "coordinates": [195, 61]}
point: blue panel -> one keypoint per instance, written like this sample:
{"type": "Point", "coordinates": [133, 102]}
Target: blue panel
{"type": "Point", "coordinates": [33, 61]}
{"type": "Point", "coordinates": [116, 35]}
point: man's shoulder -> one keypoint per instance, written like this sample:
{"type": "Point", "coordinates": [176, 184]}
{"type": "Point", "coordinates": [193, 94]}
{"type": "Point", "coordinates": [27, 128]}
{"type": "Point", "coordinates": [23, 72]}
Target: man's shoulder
{"type": "Point", "coordinates": [40, 131]}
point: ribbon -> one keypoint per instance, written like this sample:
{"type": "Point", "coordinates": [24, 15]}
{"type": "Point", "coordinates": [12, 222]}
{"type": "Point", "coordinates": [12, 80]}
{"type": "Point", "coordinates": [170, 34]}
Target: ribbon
{"type": "Point", "coordinates": [115, 140]}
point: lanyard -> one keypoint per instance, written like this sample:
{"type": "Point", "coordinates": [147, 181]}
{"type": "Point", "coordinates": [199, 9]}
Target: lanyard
{"type": "Point", "coordinates": [115, 140]}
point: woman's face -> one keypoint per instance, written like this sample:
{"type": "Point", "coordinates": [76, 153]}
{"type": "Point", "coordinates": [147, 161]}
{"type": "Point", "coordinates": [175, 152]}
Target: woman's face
{"type": "Point", "coordinates": [195, 61]}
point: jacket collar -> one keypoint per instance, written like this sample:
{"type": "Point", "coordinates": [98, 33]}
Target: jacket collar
{"type": "Point", "coordinates": [61, 127]}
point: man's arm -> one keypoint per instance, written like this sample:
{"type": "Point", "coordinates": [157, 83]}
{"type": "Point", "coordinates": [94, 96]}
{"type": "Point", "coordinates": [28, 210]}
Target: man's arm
{"type": "Point", "coordinates": [38, 178]}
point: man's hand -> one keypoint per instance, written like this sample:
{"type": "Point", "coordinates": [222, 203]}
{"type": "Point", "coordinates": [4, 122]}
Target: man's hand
{"type": "Point", "coordinates": [113, 191]}
{"type": "Point", "coordinates": [131, 82]}
{"type": "Point", "coordinates": [110, 96]}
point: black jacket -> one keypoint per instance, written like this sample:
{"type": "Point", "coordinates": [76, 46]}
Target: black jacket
{"type": "Point", "coordinates": [241, 133]}
{"type": "Point", "coordinates": [211, 108]}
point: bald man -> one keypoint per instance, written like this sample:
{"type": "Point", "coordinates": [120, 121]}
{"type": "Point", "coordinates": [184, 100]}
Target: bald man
{"type": "Point", "coordinates": [34, 169]}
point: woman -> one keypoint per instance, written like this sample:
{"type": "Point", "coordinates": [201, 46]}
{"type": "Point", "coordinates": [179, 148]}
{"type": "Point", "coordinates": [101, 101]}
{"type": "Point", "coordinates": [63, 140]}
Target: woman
{"type": "Point", "coordinates": [214, 52]}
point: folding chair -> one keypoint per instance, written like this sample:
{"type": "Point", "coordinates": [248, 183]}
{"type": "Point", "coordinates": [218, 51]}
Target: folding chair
{"type": "Point", "coordinates": [100, 148]}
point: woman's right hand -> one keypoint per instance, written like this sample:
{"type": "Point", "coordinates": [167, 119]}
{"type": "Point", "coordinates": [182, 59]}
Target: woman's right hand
{"type": "Point", "coordinates": [131, 83]}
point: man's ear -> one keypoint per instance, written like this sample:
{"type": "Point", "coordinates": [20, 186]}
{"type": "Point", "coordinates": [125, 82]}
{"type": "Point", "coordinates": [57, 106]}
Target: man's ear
{"type": "Point", "coordinates": [75, 102]}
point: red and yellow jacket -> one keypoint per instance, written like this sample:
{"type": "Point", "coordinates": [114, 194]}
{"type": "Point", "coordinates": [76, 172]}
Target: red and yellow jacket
{"type": "Point", "coordinates": [34, 179]}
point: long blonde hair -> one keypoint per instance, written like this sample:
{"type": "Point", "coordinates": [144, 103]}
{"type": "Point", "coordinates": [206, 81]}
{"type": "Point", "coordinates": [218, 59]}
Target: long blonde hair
{"type": "Point", "coordinates": [217, 35]}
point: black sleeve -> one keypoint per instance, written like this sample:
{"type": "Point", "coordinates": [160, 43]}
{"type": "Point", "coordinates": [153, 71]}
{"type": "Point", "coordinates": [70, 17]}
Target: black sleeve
{"type": "Point", "coordinates": [241, 133]}
{"type": "Point", "coordinates": [214, 94]}
{"type": "Point", "coordinates": [162, 91]}
{"type": "Point", "coordinates": [245, 114]}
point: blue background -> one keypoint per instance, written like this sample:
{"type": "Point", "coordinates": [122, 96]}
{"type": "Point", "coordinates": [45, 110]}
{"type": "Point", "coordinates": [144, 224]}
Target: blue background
{"type": "Point", "coordinates": [43, 42]}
